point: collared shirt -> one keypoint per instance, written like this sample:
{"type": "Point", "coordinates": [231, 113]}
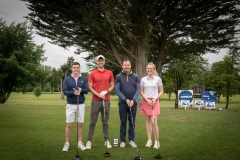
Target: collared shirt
{"type": "Point", "coordinates": [150, 86]}
{"type": "Point", "coordinates": [76, 77]}
{"type": "Point", "coordinates": [100, 82]}
{"type": "Point", "coordinates": [69, 84]}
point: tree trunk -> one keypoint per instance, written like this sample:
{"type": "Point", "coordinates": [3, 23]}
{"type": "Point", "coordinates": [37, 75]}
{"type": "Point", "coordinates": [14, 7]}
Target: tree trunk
{"type": "Point", "coordinates": [227, 101]}
{"type": "Point", "coordinates": [176, 101]}
{"type": "Point", "coordinates": [169, 96]}
{"type": "Point", "coordinates": [61, 92]}
{"type": "Point", "coordinates": [218, 100]}
{"type": "Point", "coordinates": [228, 94]}
{"type": "Point", "coordinates": [160, 57]}
{"type": "Point", "coordinates": [4, 97]}
{"type": "Point", "coordinates": [219, 93]}
{"type": "Point", "coordinates": [5, 92]}
{"type": "Point", "coordinates": [116, 53]}
{"type": "Point", "coordinates": [141, 61]}
{"type": "Point", "coordinates": [52, 89]}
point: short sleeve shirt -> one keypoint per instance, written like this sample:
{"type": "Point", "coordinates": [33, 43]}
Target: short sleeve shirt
{"type": "Point", "coordinates": [101, 81]}
{"type": "Point", "coordinates": [150, 86]}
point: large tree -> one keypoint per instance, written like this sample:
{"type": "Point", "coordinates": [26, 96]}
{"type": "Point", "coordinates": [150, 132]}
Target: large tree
{"type": "Point", "coordinates": [153, 30]}
{"type": "Point", "coordinates": [226, 74]}
{"type": "Point", "coordinates": [64, 71]}
{"type": "Point", "coordinates": [20, 59]}
{"type": "Point", "coordinates": [182, 72]}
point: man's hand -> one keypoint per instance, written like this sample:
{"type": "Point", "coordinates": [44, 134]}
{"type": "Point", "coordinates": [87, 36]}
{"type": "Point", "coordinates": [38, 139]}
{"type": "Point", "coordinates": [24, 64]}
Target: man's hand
{"type": "Point", "coordinates": [128, 102]}
{"type": "Point", "coordinates": [102, 94]}
{"type": "Point", "coordinates": [131, 103]}
{"type": "Point", "coordinates": [77, 91]}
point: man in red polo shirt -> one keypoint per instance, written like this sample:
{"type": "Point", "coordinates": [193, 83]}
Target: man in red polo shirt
{"type": "Point", "coordinates": [100, 83]}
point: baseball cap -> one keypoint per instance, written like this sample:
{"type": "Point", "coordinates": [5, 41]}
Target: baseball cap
{"type": "Point", "coordinates": [100, 56]}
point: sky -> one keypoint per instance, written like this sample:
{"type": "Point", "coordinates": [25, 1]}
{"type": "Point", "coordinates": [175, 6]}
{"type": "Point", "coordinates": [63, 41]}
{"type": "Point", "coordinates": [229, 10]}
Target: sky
{"type": "Point", "coordinates": [15, 10]}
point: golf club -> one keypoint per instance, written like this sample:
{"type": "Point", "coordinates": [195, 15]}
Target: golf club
{"type": "Point", "coordinates": [106, 154]}
{"type": "Point", "coordinates": [138, 157]}
{"type": "Point", "coordinates": [77, 157]}
{"type": "Point", "coordinates": [158, 156]}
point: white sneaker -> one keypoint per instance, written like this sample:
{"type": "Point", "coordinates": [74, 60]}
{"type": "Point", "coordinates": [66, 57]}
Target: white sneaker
{"type": "Point", "coordinates": [108, 144]}
{"type": "Point", "coordinates": [132, 144]}
{"type": "Point", "coordinates": [89, 145]}
{"type": "Point", "coordinates": [149, 143]}
{"type": "Point", "coordinates": [123, 144]}
{"type": "Point", "coordinates": [156, 145]}
{"type": "Point", "coordinates": [82, 147]}
{"type": "Point", "coordinates": [65, 147]}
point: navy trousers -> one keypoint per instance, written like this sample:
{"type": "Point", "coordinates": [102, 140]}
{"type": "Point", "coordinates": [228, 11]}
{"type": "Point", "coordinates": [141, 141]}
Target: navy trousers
{"type": "Point", "coordinates": [125, 115]}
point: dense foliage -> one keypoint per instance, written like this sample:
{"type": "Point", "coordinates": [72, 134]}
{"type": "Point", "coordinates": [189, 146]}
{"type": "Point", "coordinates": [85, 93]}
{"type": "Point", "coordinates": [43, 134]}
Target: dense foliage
{"type": "Point", "coordinates": [20, 59]}
{"type": "Point", "coordinates": [141, 30]}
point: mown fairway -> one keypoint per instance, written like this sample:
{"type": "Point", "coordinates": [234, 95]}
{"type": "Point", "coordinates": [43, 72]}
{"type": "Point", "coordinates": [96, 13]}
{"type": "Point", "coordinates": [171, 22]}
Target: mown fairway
{"type": "Point", "coordinates": [34, 129]}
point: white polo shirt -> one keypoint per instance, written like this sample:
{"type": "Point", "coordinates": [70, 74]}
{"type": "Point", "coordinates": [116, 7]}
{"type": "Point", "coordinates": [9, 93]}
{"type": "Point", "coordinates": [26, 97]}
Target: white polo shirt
{"type": "Point", "coordinates": [150, 86]}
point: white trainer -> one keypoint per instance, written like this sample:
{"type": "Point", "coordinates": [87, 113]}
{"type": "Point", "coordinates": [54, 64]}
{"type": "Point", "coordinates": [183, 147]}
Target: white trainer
{"type": "Point", "coordinates": [65, 147]}
{"type": "Point", "coordinates": [156, 145]}
{"type": "Point", "coordinates": [82, 147]}
{"type": "Point", "coordinates": [108, 144]}
{"type": "Point", "coordinates": [89, 145]}
{"type": "Point", "coordinates": [132, 144]}
{"type": "Point", "coordinates": [149, 143]}
{"type": "Point", "coordinates": [123, 144]}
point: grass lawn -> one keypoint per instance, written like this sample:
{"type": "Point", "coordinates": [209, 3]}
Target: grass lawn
{"type": "Point", "coordinates": [32, 128]}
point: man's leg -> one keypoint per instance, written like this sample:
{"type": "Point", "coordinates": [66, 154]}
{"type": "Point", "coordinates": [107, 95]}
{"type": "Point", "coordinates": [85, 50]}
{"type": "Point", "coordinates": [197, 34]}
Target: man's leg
{"type": "Point", "coordinates": [131, 129]}
{"type": "Point", "coordinates": [80, 120]}
{"type": "Point", "coordinates": [105, 119]}
{"type": "Point", "coordinates": [80, 132]}
{"type": "Point", "coordinates": [67, 136]}
{"type": "Point", "coordinates": [95, 109]}
{"type": "Point", "coordinates": [70, 115]}
{"type": "Point", "coordinates": [68, 131]}
{"type": "Point", "coordinates": [80, 143]}
{"type": "Point", "coordinates": [123, 110]}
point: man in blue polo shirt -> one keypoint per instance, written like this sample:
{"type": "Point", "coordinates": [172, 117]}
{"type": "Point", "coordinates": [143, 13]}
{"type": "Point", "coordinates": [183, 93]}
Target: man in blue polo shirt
{"type": "Point", "coordinates": [127, 87]}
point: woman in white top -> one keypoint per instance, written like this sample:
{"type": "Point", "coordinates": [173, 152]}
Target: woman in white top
{"type": "Point", "coordinates": [151, 89]}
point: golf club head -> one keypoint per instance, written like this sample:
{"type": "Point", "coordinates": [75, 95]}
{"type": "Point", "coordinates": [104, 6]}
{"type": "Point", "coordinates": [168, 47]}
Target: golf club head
{"type": "Point", "coordinates": [137, 158]}
{"type": "Point", "coordinates": [158, 156]}
{"type": "Point", "coordinates": [77, 157]}
{"type": "Point", "coordinates": [106, 154]}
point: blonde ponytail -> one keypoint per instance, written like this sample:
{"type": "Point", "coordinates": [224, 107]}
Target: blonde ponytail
{"type": "Point", "coordinates": [155, 73]}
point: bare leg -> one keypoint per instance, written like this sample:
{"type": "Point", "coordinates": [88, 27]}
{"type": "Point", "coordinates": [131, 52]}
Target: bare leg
{"type": "Point", "coordinates": [80, 125]}
{"type": "Point", "coordinates": [68, 131]}
{"type": "Point", "coordinates": [155, 126]}
{"type": "Point", "coordinates": [148, 126]}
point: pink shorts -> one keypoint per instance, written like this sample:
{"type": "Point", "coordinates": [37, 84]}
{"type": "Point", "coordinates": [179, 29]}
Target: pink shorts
{"type": "Point", "coordinates": [146, 109]}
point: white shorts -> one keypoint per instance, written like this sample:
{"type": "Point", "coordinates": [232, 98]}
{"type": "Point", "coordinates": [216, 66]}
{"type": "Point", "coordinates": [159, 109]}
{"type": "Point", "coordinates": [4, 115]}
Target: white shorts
{"type": "Point", "coordinates": [71, 110]}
